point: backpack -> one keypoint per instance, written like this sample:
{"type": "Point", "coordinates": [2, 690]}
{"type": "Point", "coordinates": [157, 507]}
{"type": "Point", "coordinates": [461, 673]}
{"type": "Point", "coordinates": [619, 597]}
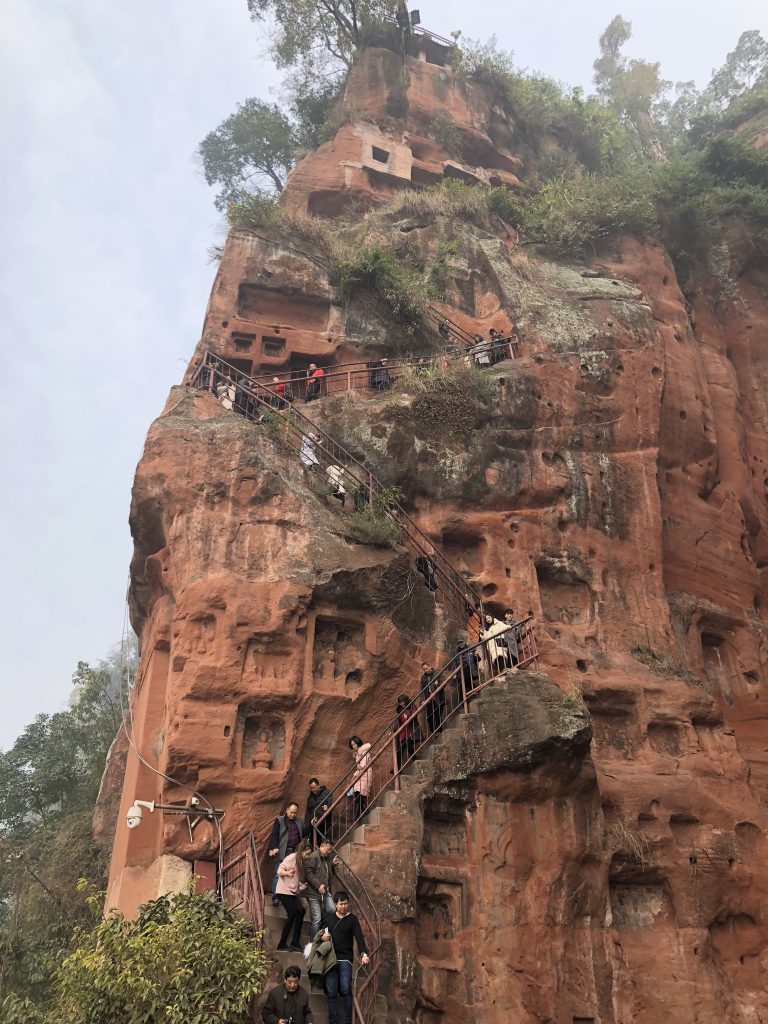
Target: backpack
{"type": "Point", "coordinates": [288, 395]}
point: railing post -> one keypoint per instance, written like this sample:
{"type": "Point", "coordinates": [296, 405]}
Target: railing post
{"type": "Point", "coordinates": [395, 770]}
{"type": "Point", "coordinates": [464, 700]}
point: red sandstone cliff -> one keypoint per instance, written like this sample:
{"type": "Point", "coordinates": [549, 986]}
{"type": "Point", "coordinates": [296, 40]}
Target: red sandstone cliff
{"type": "Point", "coordinates": [615, 486]}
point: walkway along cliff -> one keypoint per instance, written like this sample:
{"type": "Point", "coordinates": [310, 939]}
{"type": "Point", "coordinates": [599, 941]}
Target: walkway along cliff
{"type": "Point", "coordinates": [584, 841]}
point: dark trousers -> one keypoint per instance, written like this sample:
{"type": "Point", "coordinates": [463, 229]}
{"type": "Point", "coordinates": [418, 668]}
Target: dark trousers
{"type": "Point", "coordinates": [435, 714]}
{"type": "Point", "coordinates": [360, 804]}
{"type": "Point", "coordinates": [338, 982]}
{"type": "Point", "coordinates": [405, 750]}
{"type": "Point", "coordinates": [294, 908]}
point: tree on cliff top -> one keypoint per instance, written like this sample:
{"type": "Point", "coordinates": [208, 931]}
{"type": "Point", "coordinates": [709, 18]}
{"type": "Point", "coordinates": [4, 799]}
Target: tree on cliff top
{"type": "Point", "coordinates": [631, 87]}
{"type": "Point", "coordinates": [319, 37]}
{"type": "Point", "coordinates": [250, 148]}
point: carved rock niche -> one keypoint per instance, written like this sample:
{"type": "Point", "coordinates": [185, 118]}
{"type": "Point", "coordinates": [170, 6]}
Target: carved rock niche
{"type": "Point", "coordinates": [263, 744]}
{"type": "Point", "coordinates": [564, 592]}
{"type": "Point", "coordinates": [338, 656]}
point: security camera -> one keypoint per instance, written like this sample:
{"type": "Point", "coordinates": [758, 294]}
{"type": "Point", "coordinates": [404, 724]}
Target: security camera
{"type": "Point", "coordinates": [135, 813]}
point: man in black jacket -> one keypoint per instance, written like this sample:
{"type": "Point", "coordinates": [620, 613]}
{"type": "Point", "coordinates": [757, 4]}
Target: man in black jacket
{"type": "Point", "coordinates": [287, 1003]}
{"type": "Point", "coordinates": [344, 931]}
{"type": "Point", "coordinates": [318, 796]}
{"type": "Point", "coordinates": [430, 681]}
{"type": "Point", "coordinates": [287, 833]}
{"type": "Point", "coordinates": [470, 669]}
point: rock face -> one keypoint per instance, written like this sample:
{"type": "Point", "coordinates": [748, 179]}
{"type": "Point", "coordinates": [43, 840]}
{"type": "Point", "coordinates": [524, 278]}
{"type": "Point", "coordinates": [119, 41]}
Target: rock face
{"type": "Point", "coordinates": [613, 482]}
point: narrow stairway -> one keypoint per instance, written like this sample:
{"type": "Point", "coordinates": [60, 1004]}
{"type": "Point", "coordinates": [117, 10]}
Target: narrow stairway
{"type": "Point", "coordinates": [319, 451]}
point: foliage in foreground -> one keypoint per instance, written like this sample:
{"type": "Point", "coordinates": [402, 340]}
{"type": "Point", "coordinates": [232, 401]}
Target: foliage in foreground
{"type": "Point", "coordinates": [187, 959]}
{"type": "Point", "coordinates": [49, 780]}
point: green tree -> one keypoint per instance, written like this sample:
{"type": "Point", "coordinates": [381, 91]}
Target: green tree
{"type": "Point", "coordinates": [631, 87]}
{"type": "Point", "coordinates": [187, 959]}
{"type": "Point", "coordinates": [251, 148]}
{"type": "Point", "coordinates": [745, 66]}
{"type": "Point", "coordinates": [49, 781]}
{"type": "Point", "coordinates": [320, 37]}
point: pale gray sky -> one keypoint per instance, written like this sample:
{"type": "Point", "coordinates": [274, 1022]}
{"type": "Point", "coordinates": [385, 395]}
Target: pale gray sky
{"type": "Point", "coordinates": [104, 276]}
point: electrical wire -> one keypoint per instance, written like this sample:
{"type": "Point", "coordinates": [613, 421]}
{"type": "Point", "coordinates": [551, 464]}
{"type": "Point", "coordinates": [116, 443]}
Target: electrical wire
{"type": "Point", "coordinates": [143, 760]}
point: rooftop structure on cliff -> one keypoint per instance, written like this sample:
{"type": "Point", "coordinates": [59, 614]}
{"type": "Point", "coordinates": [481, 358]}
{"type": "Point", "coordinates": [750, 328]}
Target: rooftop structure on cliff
{"type": "Point", "coordinates": [588, 843]}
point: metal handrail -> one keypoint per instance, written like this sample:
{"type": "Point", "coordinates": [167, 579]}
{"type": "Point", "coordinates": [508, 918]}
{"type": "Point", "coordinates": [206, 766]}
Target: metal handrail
{"type": "Point", "coordinates": [458, 333]}
{"type": "Point", "coordinates": [248, 397]}
{"type": "Point", "coordinates": [366, 977]}
{"type": "Point", "coordinates": [241, 881]}
{"type": "Point", "coordinates": [357, 374]}
{"type": "Point", "coordinates": [386, 756]}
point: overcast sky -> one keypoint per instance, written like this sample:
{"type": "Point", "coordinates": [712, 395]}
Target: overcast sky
{"type": "Point", "coordinates": [104, 277]}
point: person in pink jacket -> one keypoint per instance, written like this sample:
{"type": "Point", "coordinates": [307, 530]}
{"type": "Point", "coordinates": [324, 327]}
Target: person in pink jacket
{"type": "Point", "coordinates": [289, 885]}
{"type": "Point", "coordinates": [363, 779]}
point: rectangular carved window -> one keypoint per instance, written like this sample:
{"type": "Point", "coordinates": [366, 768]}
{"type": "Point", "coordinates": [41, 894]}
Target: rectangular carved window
{"type": "Point", "coordinates": [272, 346]}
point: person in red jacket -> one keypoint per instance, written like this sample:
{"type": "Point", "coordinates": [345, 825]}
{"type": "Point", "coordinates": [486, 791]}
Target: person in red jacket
{"type": "Point", "coordinates": [314, 379]}
{"type": "Point", "coordinates": [278, 389]}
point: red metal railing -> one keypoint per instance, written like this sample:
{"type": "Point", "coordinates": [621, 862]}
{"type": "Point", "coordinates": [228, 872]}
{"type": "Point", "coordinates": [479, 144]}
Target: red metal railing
{"type": "Point", "coordinates": [394, 748]}
{"type": "Point", "coordinates": [362, 376]}
{"type": "Point", "coordinates": [243, 890]}
{"type": "Point", "coordinates": [367, 975]}
{"type": "Point", "coordinates": [254, 401]}
{"type": "Point", "coordinates": [241, 883]}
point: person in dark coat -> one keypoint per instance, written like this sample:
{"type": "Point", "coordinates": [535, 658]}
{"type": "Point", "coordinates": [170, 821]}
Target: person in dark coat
{"type": "Point", "coordinates": [319, 796]}
{"type": "Point", "coordinates": [512, 638]}
{"type": "Point", "coordinates": [287, 1002]}
{"type": "Point", "coordinates": [380, 377]}
{"type": "Point", "coordinates": [344, 931]}
{"type": "Point", "coordinates": [287, 833]}
{"type": "Point", "coordinates": [320, 876]}
{"type": "Point", "coordinates": [469, 666]}
{"type": "Point", "coordinates": [409, 733]}
{"type": "Point", "coordinates": [430, 681]}
{"type": "Point", "coordinates": [426, 567]}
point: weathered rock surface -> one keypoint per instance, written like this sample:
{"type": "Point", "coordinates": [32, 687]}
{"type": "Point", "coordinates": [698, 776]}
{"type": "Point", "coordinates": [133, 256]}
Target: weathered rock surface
{"type": "Point", "coordinates": [612, 481]}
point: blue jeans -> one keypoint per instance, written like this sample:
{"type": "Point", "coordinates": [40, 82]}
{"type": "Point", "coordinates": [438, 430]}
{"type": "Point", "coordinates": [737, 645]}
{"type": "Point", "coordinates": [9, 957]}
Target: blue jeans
{"type": "Point", "coordinates": [316, 909]}
{"type": "Point", "coordinates": [338, 981]}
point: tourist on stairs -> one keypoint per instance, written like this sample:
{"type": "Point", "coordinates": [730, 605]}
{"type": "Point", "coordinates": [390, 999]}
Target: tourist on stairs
{"type": "Point", "coordinates": [343, 930]}
{"type": "Point", "coordinates": [278, 400]}
{"type": "Point", "coordinates": [287, 1003]}
{"type": "Point", "coordinates": [319, 876]}
{"type": "Point", "coordinates": [289, 885]}
{"type": "Point", "coordinates": [335, 476]}
{"type": "Point", "coordinates": [318, 796]}
{"type": "Point", "coordinates": [426, 567]}
{"type": "Point", "coordinates": [363, 778]}
{"type": "Point", "coordinates": [287, 833]}
{"type": "Point", "coordinates": [308, 451]}
{"type": "Point", "coordinates": [511, 638]}
{"type": "Point", "coordinates": [430, 681]}
{"type": "Point", "coordinates": [380, 377]}
{"type": "Point", "coordinates": [409, 735]}
{"type": "Point", "coordinates": [469, 669]}
{"type": "Point", "coordinates": [495, 656]}
{"type": "Point", "coordinates": [314, 381]}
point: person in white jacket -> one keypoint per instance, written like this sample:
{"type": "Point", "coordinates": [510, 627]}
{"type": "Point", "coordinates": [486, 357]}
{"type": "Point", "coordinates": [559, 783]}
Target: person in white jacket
{"type": "Point", "coordinates": [335, 476]}
{"type": "Point", "coordinates": [495, 658]}
{"type": "Point", "coordinates": [308, 451]}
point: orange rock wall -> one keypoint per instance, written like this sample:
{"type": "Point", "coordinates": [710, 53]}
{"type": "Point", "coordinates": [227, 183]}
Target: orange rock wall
{"type": "Point", "coordinates": [613, 484]}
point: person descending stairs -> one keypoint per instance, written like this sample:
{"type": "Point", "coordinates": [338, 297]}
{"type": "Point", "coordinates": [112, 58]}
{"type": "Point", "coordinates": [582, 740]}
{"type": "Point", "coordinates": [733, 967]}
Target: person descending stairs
{"type": "Point", "coordinates": [318, 451]}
